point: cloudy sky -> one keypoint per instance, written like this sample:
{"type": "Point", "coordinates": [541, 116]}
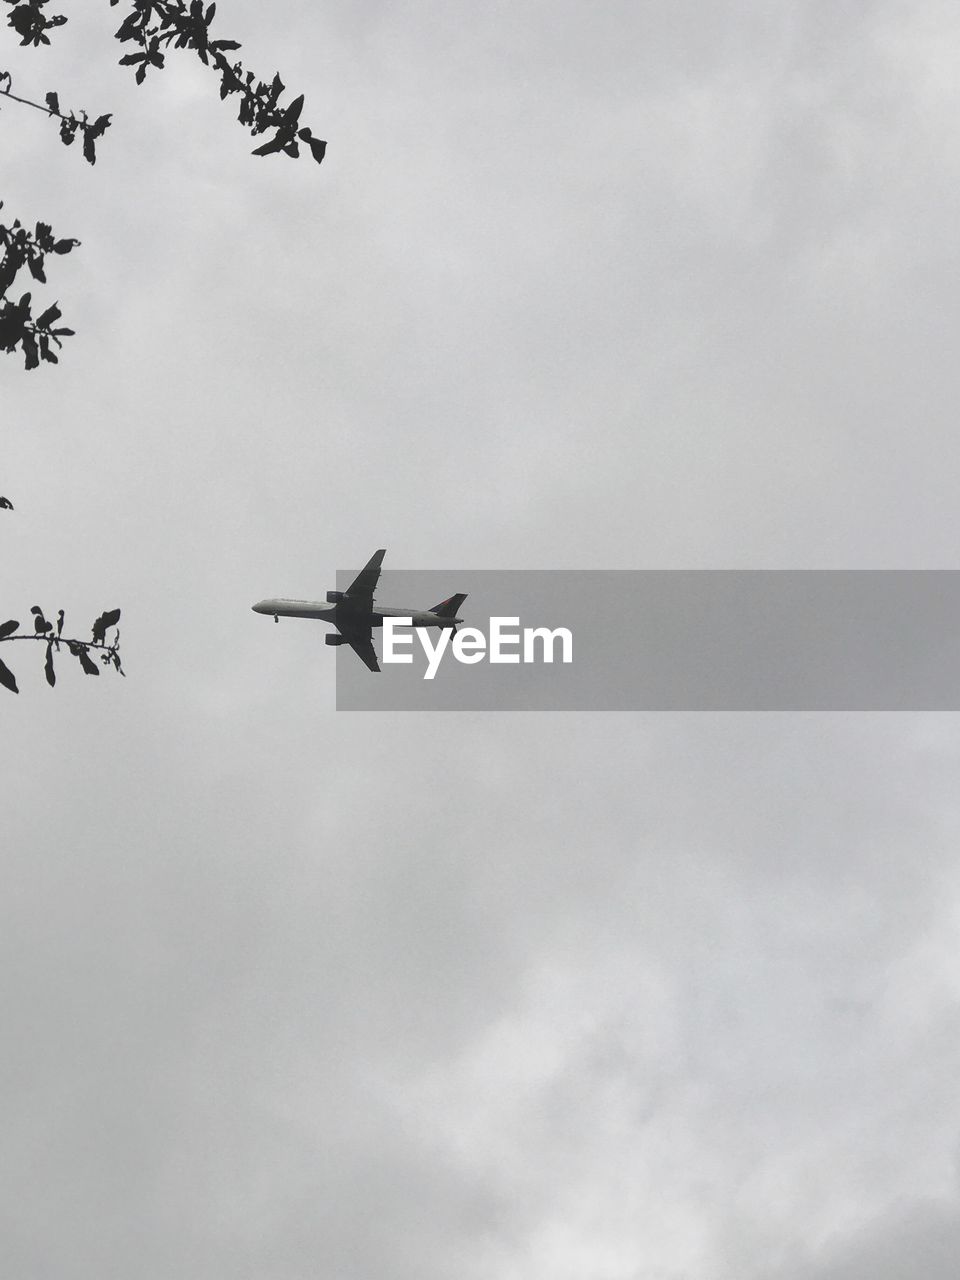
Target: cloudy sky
{"type": "Point", "coordinates": [289, 992]}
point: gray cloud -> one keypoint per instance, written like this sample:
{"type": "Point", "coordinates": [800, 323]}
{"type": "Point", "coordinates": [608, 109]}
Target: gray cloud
{"type": "Point", "coordinates": [288, 992]}
{"type": "Point", "coordinates": [910, 1237]}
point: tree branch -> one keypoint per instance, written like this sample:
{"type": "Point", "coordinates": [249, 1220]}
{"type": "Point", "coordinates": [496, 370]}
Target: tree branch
{"type": "Point", "coordinates": [44, 631]}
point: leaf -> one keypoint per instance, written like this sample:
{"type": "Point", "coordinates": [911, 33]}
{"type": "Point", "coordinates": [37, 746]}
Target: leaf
{"type": "Point", "coordinates": [89, 147]}
{"type": "Point", "coordinates": [319, 149]}
{"type": "Point", "coordinates": [89, 667]}
{"type": "Point", "coordinates": [53, 102]}
{"type": "Point", "coordinates": [292, 113]}
{"type": "Point", "coordinates": [7, 678]}
{"type": "Point", "coordinates": [36, 269]}
{"type": "Point", "coordinates": [106, 620]}
{"type": "Point", "coordinates": [48, 670]}
{"type": "Point", "coordinates": [31, 357]}
{"type": "Point", "coordinates": [47, 318]}
{"type": "Point", "coordinates": [275, 144]}
{"type": "Point", "coordinates": [64, 246]}
{"type": "Point", "coordinates": [9, 267]}
{"type": "Point", "coordinates": [128, 28]}
{"type": "Point", "coordinates": [8, 628]}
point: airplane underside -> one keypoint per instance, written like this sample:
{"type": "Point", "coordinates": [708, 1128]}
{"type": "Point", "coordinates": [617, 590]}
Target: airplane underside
{"type": "Point", "coordinates": [352, 612]}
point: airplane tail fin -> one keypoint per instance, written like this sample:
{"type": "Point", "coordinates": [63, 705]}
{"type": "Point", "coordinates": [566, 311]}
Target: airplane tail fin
{"type": "Point", "coordinates": [448, 608]}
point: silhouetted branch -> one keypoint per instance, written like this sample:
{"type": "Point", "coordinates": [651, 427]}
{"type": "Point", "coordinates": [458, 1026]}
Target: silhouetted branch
{"type": "Point", "coordinates": [30, 22]}
{"type": "Point", "coordinates": [36, 336]}
{"type": "Point", "coordinates": [51, 636]}
{"type": "Point", "coordinates": [70, 124]}
{"type": "Point", "coordinates": [156, 25]}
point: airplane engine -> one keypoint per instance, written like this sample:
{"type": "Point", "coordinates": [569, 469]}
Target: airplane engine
{"type": "Point", "coordinates": [338, 639]}
{"type": "Point", "coordinates": [334, 597]}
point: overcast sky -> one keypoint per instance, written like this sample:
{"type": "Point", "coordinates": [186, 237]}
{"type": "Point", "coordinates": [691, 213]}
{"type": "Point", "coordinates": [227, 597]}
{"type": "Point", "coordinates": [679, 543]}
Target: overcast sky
{"type": "Point", "coordinates": [292, 993]}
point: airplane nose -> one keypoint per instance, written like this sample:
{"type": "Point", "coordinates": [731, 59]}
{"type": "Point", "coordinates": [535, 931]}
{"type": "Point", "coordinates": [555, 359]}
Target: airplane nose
{"type": "Point", "coordinates": [258, 607]}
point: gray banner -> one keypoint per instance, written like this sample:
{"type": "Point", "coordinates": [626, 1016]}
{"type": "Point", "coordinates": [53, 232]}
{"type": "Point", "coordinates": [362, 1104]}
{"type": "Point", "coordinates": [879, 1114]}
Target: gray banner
{"type": "Point", "coordinates": [682, 640]}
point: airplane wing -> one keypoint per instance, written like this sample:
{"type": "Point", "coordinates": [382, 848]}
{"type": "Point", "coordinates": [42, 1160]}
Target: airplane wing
{"type": "Point", "coordinates": [365, 651]}
{"type": "Point", "coordinates": [361, 589]}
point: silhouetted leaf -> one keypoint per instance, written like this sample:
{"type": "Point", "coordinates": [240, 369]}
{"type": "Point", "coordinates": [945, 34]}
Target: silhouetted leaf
{"type": "Point", "coordinates": [36, 269]}
{"type": "Point", "coordinates": [53, 102]}
{"type": "Point", "coordinates": [103, 623]}
{"type": "Point", "coordinates": [8, 628]}
{"type": "Point", "coordinates": [47, 318]}
{"type": "Point", "coordinates": [48, 670]}
{"type": "Point", "coordinates": [7, 678]}
{"type": "Point", "coordinates": [31, 357]}
{"type": "Point", "coordinates": [275, 144]}
{"type": "Point", "coordinates": [89, 667]}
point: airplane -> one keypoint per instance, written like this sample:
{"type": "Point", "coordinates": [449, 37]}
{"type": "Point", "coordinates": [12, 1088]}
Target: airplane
{"type": "Point", "coordinates": [353, 613]}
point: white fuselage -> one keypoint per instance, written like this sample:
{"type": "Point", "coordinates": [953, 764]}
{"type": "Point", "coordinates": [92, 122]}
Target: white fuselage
{"type": "Point", "coordinates": [328, 613]}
